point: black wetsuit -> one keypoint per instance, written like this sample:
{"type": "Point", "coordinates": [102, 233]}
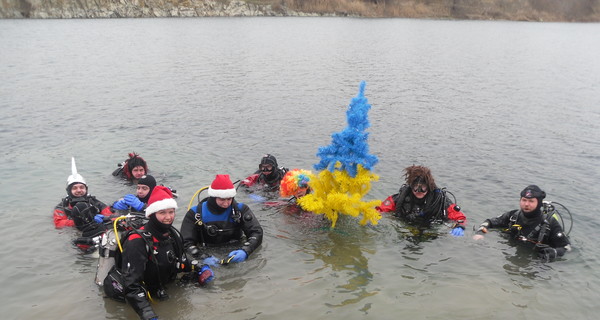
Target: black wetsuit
{"type": "Point", "coordinates": [147, 269]}
{"type": "Point", "coordinates": [532, 228]}
{"type": "Point", "coordinates": [208, 225]}
{"type": "Point", "coordinates": [423, 212]}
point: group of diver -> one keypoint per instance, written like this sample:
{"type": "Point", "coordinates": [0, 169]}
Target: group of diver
{"type": "Point", "coordinates": [141, 251]}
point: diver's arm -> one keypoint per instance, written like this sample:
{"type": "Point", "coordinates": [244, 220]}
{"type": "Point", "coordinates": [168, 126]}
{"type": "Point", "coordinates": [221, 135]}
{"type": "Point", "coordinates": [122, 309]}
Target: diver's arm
{"type": "Point", "coordinates": [252, 230]}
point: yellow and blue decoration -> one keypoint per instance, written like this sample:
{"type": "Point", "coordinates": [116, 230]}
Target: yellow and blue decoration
{"type": "Point", "coordinates": [344, 172]}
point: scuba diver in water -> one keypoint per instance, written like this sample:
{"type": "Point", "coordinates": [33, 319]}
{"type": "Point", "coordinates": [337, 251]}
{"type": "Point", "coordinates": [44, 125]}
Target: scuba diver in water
{"type": "Point", "coordinates": [531, 224]}
{"type": "Point", "coordinates": [79, 209]}
{"type": "Point", "coordinates": [152, 257]}
{"type": "Point", "coordinates": [219, 220]}
{"type": "Point", "coordinates": [420, 202]}
{"type": "Point", "coordinates": [132, 169]}
{"type": "Point", "coordinates": [268, 176]}
{"type": "Point", "coordinates": [137, 202]}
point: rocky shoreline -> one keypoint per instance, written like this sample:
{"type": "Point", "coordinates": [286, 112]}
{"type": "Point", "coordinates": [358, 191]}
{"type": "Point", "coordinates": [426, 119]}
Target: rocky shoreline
{"type": "Point", "coordinates": [138, 9]}
{"type": "Point", "coordinates": [519, 10]}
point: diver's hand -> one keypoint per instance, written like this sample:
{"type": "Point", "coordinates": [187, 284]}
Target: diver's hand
{"type": "Point", "coordinates": [99, 218]}
{"type": "Point", "coordinates": [237, 255]}
{"type": "Point", "coordinates": [211, 261]}
{"type": "Point", "coordinates": [457, 232]}
{"type": "Point", "coordinates": [120, 205]}
{"type": "Point", "coordinates": [205, 275]}
{"type": "Point", "coordinates": [134, 202]}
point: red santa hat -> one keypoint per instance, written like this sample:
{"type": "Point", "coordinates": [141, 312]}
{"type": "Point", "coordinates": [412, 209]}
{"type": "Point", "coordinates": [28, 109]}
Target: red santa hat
{"type": "Point", "coordinates": [222, 187]}
{"type": "Point", "coordinates": [160, 199]}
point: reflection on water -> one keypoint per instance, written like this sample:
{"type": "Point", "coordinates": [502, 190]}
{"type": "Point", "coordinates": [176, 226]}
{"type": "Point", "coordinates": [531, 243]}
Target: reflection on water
{"type": "Point", "coordinates": [342, 251]}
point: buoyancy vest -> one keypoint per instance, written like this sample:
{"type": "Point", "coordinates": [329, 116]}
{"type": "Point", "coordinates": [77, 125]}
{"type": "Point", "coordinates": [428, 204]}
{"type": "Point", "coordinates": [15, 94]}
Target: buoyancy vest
{"type": "Point", "coordinates": [518, 224]}
{"type": "Point", "coordinates": [219, 228]}
{"type": "Point", "coordinates": [111, 259]}
{"type": "Point", "coordinates": [421, 213]}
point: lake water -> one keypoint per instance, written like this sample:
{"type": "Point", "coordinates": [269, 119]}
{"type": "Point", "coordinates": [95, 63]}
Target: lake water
{"type": "Point", "coordinates": [490, 107]}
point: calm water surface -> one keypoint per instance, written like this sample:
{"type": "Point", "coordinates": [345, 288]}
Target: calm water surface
{"type": "Point", "coordinates": [490, 107]}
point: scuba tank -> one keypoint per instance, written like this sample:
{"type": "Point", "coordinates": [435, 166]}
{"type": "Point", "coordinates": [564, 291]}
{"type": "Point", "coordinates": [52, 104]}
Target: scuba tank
{"type": "Point", "coordinates": [108, 250]}
{"type": "Point", "coordinates": [109, 247]}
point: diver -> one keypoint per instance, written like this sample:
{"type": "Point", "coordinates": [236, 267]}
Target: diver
{"type": "Point", "coordinates": [219, 220]}
{"type": "Point", "coordinates": [268, 176]}
{"type": "Point", "coordinates": [80, 209]}
{"type": "Point", "coordinates": [152, 257]}
{"type": "Point", "coordinates": [531, 224]}
{"type": "Point", "coordinates": [132, 169]}
{"type": "Point", "coordinates": [137, 202]}
{"type": "Point", "coordinates": [420, 203]}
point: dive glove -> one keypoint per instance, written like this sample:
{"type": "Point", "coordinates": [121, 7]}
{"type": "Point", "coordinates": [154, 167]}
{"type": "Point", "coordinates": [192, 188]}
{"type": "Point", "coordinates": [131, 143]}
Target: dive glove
{"type": "Point", "coordinates": [120, 205]}
{"type": "Point", "coordinates": [99, 218]}
{"type": "Point", "coordinates": [205, 275]}
{"type": "Point", "coordinates": [457, 232]}
{"type": "Point", "coordinates": [256, 197]}
{"type": "Point", "coordinates": [134, 202]}
{"type": "Point", "coordinates": [237, 255]}
{"type": "Point", "coordinates": [211, 261]}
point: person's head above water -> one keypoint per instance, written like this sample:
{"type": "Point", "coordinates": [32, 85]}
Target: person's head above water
{"type": "Point", "coordinates": [531, 198]}
{"type": "Point", "coordinates": [268, 164]}
{"type": "Point", "coordinates": [145, 186]}
{"type": "Point", "coordinates": [420, 180]}
{"type": "Point", "coordinates": [135, 167]}
{"type": "Point", "coordinates": [76, 186]}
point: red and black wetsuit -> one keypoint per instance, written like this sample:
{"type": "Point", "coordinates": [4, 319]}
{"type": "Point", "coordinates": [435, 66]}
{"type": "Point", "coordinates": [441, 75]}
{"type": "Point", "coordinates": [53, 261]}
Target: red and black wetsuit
{"type": "Point", "coordinates": [435, 206]}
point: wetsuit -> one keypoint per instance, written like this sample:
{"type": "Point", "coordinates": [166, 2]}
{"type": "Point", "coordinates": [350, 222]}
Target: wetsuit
{"type": "Point", "coordinates": [66, 216]}
{"type": "Point", "coordinates": [264, 182]}
{"type": "Point", "coordinates": [434, 207]}
{"type": "Point", "coordinates": [208, 225]}
{"type": "Point", "coordinates": [147, 270]}
{"type": "Point", "coordinates": [532, 228]}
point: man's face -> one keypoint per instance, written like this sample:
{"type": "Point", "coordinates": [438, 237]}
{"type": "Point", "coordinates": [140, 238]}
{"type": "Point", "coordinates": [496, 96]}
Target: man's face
{"type": "Point", "coordinates": [78, 190]}
{"type": "Point", "coordinates": [528, 204]}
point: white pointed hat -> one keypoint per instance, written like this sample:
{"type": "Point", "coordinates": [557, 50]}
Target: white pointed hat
{"type": "Point", "coordinates": [74, 177]}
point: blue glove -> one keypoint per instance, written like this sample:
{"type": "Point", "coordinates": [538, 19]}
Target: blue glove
{"type": "Point", "coordinates": [120, 205]}
{"type": "Point", "coordinates": [256, 197]}
{"type": "Point", "coordinates": [457, 232]}
{"type": "Point", "coordinates": [238, 255]}
{"type": "Point", "coordinates": [99, 218]}
{"type": "Point", "coordinates": [205, 275]}
{"type": "Point", "coordinates": [211, 261]}
{"type": "Point", "coordinates": [133, 202]}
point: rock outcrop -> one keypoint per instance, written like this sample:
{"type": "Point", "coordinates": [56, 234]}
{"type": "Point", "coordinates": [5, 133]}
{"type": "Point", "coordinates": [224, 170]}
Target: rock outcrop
{"type": "Point", "coordinates": [524, 10]}
{"type": "Point", "coordinates": [65, 9]}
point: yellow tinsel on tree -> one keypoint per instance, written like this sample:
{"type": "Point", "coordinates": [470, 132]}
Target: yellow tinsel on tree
{"type": "Point", "coordinates": [337, 192]}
